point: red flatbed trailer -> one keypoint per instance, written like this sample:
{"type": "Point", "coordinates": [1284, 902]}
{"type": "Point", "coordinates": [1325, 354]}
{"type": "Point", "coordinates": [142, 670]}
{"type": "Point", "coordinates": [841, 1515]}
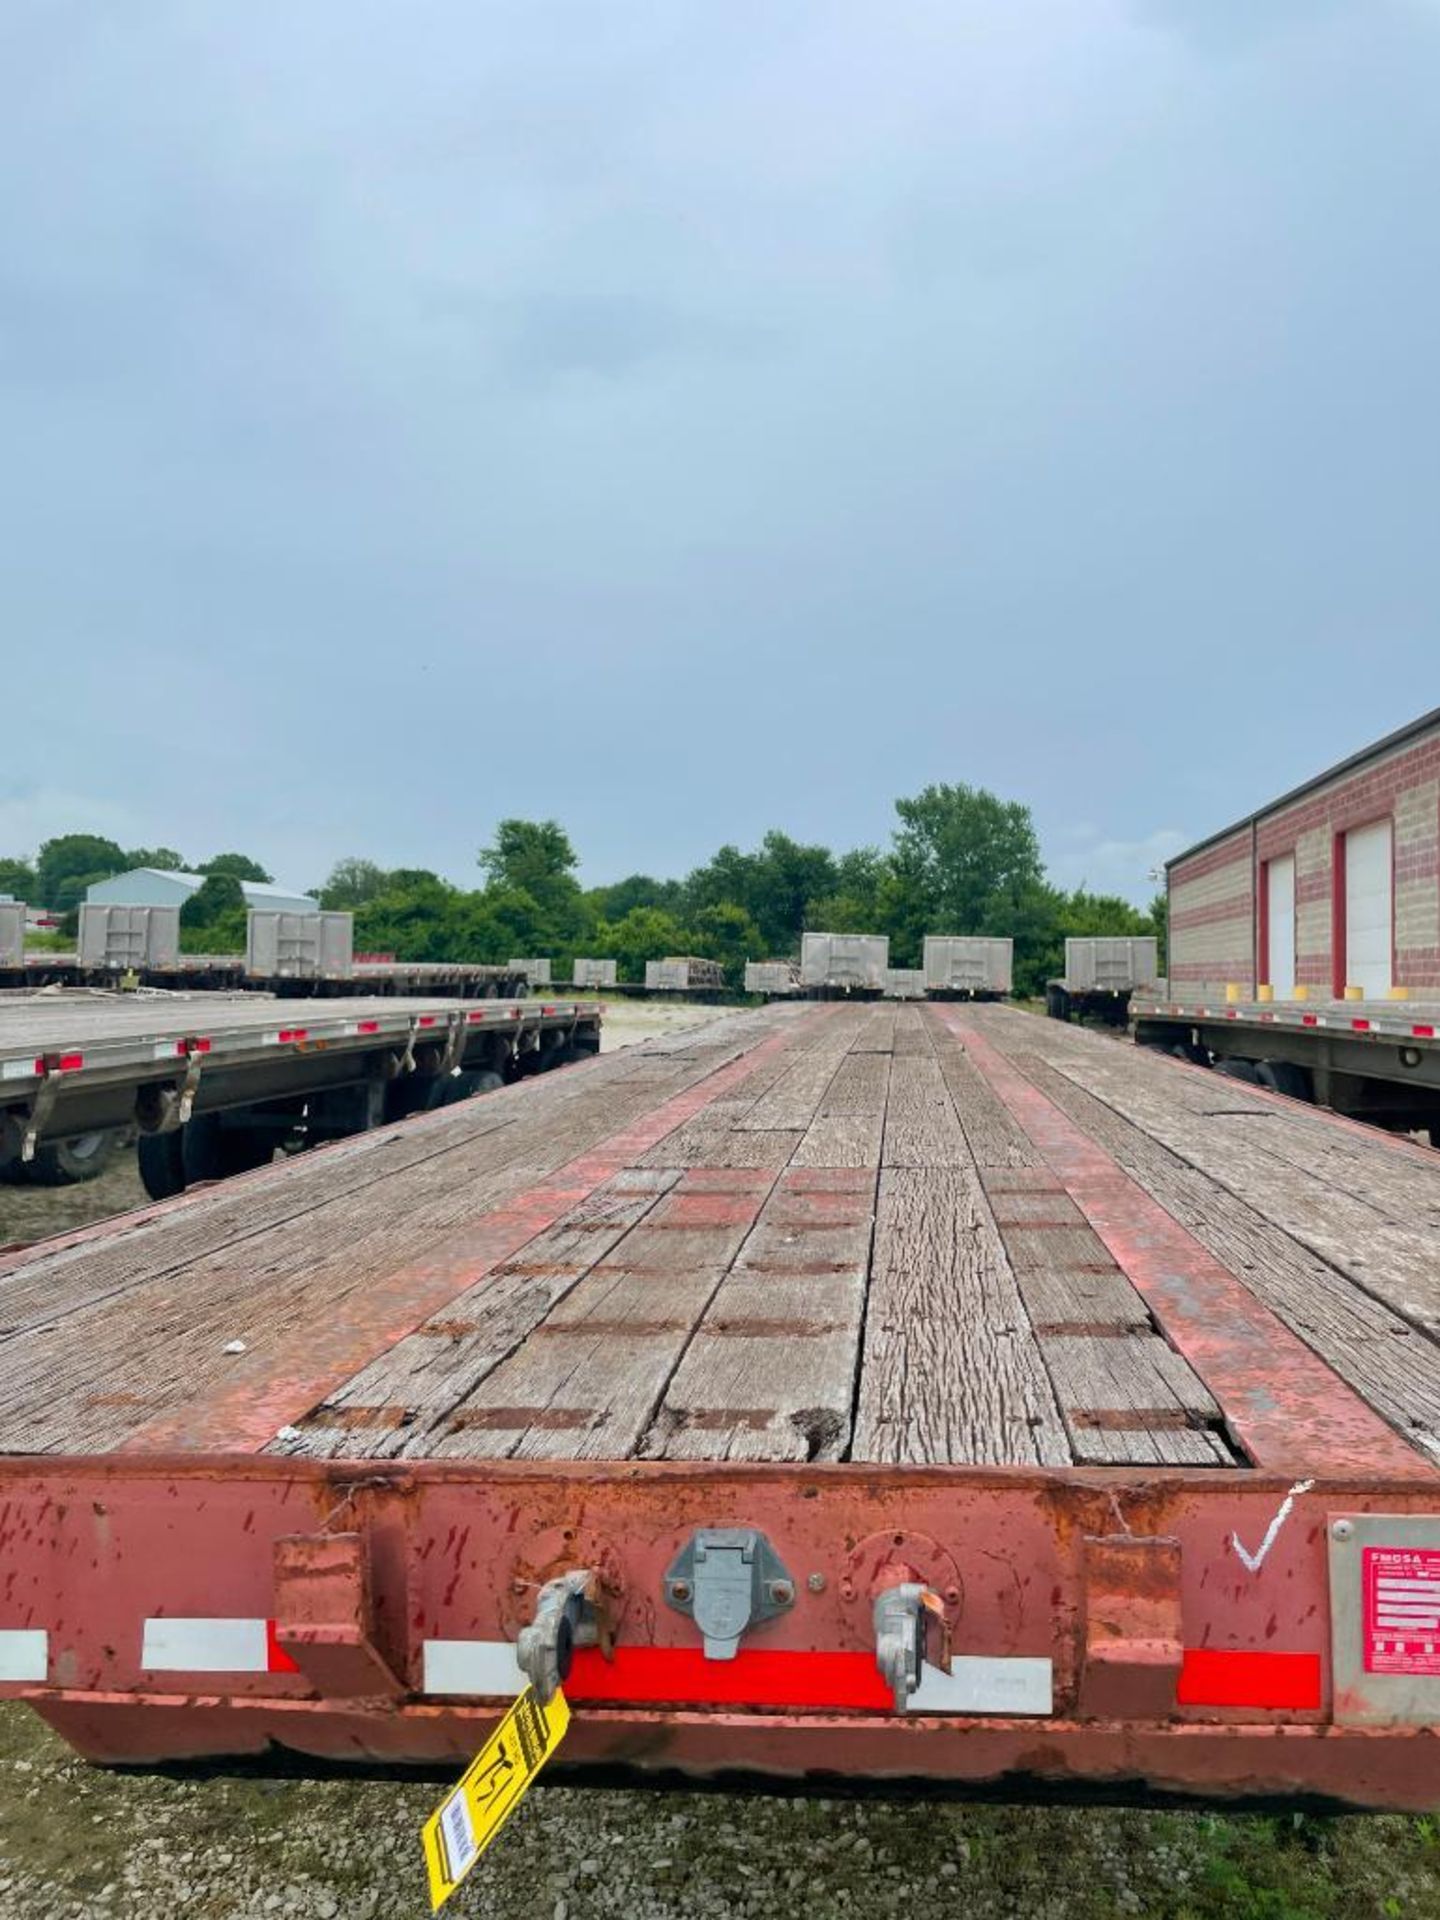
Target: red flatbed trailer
{"type": "Point", "coordinates": [1092, 1398]}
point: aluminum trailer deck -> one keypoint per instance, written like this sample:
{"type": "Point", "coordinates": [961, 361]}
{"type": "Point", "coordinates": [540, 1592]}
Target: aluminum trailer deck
{"type": "Point", "coordinates": [909, 1391]}
{"type": "Point", "coordinates": [73, 1063]}
{"type": "Point", "coordinates": [1373, 1059]}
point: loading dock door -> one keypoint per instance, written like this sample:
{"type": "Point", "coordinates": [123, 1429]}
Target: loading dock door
{"type": "Point", "coordinates": [1280, 911]}
{"type": "Point", "coordinates": [1369, 919]}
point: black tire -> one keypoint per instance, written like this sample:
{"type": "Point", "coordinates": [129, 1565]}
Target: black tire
{"type": "Point", "coordinates": [242, 1149]}
{"type": "Point", "coordinates": [1247, 1071]}
{"type": "Point", "coordinates": [1283, 1076]}
{"type": "Point", "coordinates": [201, 1150]}
{"type": "Point", "coordinates": [466, 1084]}
{"type": "Point", "coordinates": [162, 1164]}
{"type": "Point", "coordinates": [415, 1093]}
{"type": "Point", "coordinates": [70, 1163]}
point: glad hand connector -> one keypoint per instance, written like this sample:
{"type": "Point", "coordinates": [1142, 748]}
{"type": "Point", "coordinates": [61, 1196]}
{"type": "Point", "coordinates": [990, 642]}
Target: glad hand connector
{"type": "Point", "coordinates": [569, 1613]}
{"type": "Point", "coordinates": [909, 1630]}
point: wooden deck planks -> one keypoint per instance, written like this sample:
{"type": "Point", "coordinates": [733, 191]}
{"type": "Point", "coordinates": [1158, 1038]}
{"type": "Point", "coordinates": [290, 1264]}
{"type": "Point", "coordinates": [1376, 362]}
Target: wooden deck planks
{"type": "Point", "coordinates": [951, 1371]}
{"type": "Point", "coordinates": [586, 1380]}
{"type": "Point", "coordinates": [852, 1251]}
{"type": "Point", "coordinates": [770, 1371]}
{"type": "Point", "coordinates": [1393, 1262]}
{"type": "Point", "coordinates": [1380, 1355]}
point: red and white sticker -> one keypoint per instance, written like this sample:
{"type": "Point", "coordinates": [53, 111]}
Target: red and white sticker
{"type": "Point", "coordinates": [1402, 1609]}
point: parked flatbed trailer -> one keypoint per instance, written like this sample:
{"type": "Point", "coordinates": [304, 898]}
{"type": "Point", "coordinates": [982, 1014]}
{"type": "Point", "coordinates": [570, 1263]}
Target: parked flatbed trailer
{"type": "Point", "coordinates": [204, 972]}
{"type": "Point", "coordinates": [893, 1392]}
{"type": "Point", "coordinates": [1377, 1060]}
{"type": "Point", "coordinates": [80, 1064]}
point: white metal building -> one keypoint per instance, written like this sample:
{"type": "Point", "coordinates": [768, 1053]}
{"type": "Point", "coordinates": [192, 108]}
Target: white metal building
{"type": "Point", "coordinates": [154, 887]}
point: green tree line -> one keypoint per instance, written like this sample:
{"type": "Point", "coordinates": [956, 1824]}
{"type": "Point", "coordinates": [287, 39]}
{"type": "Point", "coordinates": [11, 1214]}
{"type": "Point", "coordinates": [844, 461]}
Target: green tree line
{"type": "Point", "coordinates": [961, 860]}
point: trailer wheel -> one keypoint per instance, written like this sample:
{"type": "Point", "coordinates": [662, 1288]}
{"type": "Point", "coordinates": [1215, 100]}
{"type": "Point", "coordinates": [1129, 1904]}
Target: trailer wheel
{"type": "Point", "coordinates": [466, 1084]}
{"type": "Point", "coordinates": [200, 1150]}
{"type": "Point", "coordinates": [69, 1163]}
{"type": "Point", "coordinates": [242, 1149]}
{"type": "Point", "coordinates": [416, 1093]}
{"type": "Point", "coordinates": [1245, 1070]}
{"type": "Point", "coordinates": [1283, 1076]}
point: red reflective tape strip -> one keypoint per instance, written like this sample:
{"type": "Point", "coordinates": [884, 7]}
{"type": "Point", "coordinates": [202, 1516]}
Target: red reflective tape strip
{"type": "Point", "coordinates": [682, 1676]}
{"type": "Point", "coordinates": [1309, 1019]}
{"type": "Point", "coordinates": [367, 1026]}
{"type": "Point", "coordinates": [69, 1062]}
{"type": "Point", "coordinates": [196, 1045]}
{"type": "Point", "coordinates": [1211, 1677]}
{"type": "Point", "coordinates": [277, 1660]}
{"type": "Point", "coordinates": [1423, 1033]}
{"type": "Point", "coordinates": [478, 1014]}
{"type": "Point", "coordinates": [1361, 1026]}
{"type": "Point", "coordinates": [426, 1020]}
{"type": "Point", "coordinates": [293, 1033]}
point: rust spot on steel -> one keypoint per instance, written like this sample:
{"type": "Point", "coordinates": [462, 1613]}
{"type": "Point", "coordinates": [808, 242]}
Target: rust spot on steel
{"type": "Point", "coordinates": [608, 1329]}
{"type": "Point", "coordinates": [775, 1329]}
{"type": "Point", "coordinates": [1131, 1419]}
{"type": "Point", "coordinates": [358, 1418]}
{"type": "Point", "coordinates": [516, 1419]}
{"type": "Point", "coordinates": [539, 1270]}
{"type": "Point", "coordinates": [803, 1269]}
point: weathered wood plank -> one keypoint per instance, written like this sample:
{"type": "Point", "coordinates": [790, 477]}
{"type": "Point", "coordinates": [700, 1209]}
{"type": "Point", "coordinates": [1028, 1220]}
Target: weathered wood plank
{"type": "Point", "coordinates": [404, 1398]}
{"type": "Point", "coordinates": [1393, 1263]}
{"type": "Point", "coordinates": [770, 1372]}
{"type": "Point", "coordinates": [951, 1370]}
{"type": "Point", "coordinates": [1392, 1365]}
{"type": "Point", "coordinates": [1132, 1398]}
{"type": "Point", "coordinates": [994, 1137]}
{"type": "Point", "coordinates": [921, 1129]}
{"type": "Point", "coordinates": [586, 1382]}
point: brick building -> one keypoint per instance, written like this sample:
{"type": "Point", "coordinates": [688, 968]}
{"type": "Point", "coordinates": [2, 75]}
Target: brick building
{"type": "Point", "coordinates": [1334, 885]}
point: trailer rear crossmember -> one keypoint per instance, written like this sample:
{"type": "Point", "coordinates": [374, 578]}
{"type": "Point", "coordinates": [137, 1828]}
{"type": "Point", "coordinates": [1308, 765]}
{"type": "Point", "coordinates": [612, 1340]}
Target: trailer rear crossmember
{"type": "Point", "coordinates": [838, 1389]}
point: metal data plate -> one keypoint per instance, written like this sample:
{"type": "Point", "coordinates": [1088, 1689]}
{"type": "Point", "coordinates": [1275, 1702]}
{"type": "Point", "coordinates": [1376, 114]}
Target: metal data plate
{"type": "Point", "coordinates": [1385, 1618]}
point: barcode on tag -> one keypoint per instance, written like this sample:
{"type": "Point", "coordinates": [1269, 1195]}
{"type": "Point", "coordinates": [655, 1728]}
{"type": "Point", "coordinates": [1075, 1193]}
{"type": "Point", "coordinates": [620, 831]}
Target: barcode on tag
{"type": "Point", "coordinates": [458, 1834]}
{"type": "Point", "coordinates": [468, 1819]}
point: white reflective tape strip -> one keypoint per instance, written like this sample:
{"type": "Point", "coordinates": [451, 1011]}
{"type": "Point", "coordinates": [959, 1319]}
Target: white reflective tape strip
{"type": "Point", "coordinates": [976, 1684]}
{"type": "Point", "coordinates": [206, 1646]}
{"type": "Point", "coordinates": [24, 1653]}
{"type": "Point", "coordinates": [472, 1666]}
{"type": "Point", "coordinates": [17, 1070]}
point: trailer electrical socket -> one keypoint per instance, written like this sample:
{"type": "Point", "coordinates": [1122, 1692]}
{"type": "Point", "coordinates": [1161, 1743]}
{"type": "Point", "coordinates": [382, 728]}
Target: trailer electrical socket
{"type": "Point", "coordinates": [728, 1579]}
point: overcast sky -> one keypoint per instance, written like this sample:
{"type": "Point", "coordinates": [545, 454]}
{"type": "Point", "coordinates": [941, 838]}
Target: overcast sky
{"type": "Point", "coordinates": [683, 419]}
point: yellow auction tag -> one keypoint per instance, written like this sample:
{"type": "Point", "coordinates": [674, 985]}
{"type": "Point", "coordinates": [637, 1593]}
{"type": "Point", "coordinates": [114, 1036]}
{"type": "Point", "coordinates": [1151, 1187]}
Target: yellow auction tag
{"type": "Point", "coordinates": [472, 1813]}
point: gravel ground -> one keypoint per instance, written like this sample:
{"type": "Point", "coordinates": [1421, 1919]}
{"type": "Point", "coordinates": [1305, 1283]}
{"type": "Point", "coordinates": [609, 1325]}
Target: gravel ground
{"type": "Point", "coordinates": [77, 1841]}
{"type": "Point", "coordinates": [81, 1841]}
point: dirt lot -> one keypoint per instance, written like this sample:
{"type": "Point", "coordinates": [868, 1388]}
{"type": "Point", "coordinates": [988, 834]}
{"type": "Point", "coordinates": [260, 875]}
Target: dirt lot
{"type": "Point", "coordinates": [237, 1845]}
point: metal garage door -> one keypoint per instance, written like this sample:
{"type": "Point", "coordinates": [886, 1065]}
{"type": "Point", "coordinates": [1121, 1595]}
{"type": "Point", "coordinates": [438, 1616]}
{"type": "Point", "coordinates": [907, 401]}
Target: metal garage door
{"type": "Point", "coordinates": [1368, 913]}
{"type": "Point", "coordinates": [1280, 908]}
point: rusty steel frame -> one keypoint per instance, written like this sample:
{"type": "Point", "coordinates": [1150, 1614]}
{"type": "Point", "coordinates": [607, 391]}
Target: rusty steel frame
{"type": "Point", "coordinates": [1132, 1582]}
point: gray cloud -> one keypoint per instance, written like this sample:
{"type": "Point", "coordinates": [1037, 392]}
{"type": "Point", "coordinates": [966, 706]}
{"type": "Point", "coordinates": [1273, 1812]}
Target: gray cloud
{"type": "Point", "coordinates": [686, 420]}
